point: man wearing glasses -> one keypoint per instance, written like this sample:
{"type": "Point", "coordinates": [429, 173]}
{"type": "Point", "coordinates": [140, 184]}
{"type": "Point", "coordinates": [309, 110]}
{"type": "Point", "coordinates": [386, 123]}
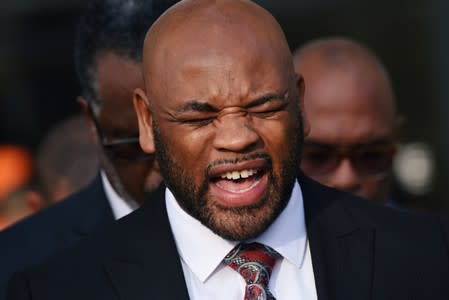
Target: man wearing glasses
{"type": "Point", "coordinates": [349, 103]}
{"type": "Point", "coordinates": [108, 59]}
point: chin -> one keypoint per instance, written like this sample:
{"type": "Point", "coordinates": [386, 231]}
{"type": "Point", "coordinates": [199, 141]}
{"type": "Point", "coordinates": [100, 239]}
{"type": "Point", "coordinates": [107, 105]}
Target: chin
{"type": "Point", "coordinates": [241, 223]}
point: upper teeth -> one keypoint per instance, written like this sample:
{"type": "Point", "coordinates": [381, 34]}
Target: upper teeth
{"type": "Point", "coordinates": [238, 174]}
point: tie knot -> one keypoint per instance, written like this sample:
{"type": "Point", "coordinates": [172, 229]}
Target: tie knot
{"type": "Point", "coordinates": [254, 262]}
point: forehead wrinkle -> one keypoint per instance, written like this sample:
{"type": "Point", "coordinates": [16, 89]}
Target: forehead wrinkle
{"type": "Point", "coordinates": [207, 83]}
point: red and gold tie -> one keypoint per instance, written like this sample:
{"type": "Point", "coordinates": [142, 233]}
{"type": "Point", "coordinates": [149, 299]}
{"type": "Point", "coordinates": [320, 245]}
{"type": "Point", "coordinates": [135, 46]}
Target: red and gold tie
{"type": "Point", "coordinates": [254, 262]}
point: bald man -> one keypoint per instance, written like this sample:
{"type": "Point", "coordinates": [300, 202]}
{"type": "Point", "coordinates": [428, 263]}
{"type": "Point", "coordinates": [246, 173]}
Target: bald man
{"type": "Point", "coordinates": [222, 111]}
{"type": "Point", "coordinates": [350, 105]}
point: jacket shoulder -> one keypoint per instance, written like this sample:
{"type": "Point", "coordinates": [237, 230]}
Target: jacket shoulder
{"type": "Point", "coordinates": [43, 225]}
{"type": "Point", "coordinates": [59, 226]}
{"type": "Point", "coordinates": [393, 226]}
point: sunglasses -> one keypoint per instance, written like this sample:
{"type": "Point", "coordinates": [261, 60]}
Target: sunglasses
{"type": "Point", "coordinates": [124, 150]}
{"type": "Point", "coordinates": [319, 161]}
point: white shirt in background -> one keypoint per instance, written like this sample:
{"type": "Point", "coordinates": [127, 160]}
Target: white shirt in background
{"type": "Point", "coordinates": [120, 207]}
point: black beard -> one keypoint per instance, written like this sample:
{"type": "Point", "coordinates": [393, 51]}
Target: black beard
{"type": "Point", "coordinates": [235, 223]}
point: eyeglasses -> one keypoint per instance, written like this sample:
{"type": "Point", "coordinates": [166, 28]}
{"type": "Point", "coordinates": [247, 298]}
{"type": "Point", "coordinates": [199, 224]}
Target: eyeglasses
{"type": "Point", "coordinates": [319, 161]}
{"type": "Point", "coordinates": [125, 150]}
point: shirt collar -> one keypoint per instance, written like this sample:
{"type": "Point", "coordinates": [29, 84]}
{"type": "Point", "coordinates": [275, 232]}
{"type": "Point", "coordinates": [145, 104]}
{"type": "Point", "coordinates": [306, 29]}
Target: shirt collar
{"type": "Point", "coordinates": [120, 207]}
{"type": "Point", "coordinates": [203, 250]}
{"type": "Point", "coordinates": [287, 235]}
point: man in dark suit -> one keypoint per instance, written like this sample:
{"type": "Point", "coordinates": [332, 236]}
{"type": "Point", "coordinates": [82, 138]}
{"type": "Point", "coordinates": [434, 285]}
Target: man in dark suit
{"type": "Point", "coordinates": [222, 110]}
{"type": "Point", "coordinates": [108, 59]}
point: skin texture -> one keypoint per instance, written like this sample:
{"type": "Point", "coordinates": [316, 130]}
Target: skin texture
{"type": "Point", "coordinates": [348, 101]}
{"type": "Point", "coordinates": [116, 78]}
{"type": "Point", "coordinates": [227, 100]}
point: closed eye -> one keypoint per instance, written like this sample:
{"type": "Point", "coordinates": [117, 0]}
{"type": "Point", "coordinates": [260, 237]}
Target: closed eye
{"type": "Point", "coordinates": [268, 111]}
{"type": "Point", "coordinates": [198, 122]}
{"type": "Point", "coordinates": [264, 114]}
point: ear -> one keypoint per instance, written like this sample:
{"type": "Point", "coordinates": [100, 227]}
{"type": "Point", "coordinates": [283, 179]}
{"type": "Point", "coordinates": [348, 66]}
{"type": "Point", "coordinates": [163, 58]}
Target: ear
{"type": "Point", "coordinates": [301, 90]}
{"type": "Point", "coordinates": [90, 124]}
{"type": "Point", "coordinates": [145, 121]}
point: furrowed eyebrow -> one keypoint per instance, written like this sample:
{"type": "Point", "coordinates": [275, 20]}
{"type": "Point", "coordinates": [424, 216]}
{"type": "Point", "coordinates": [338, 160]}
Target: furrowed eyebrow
{"type": "Point", "coordinates": [267, 98]}
{"type": "Point", "coordinates": [196, 106]}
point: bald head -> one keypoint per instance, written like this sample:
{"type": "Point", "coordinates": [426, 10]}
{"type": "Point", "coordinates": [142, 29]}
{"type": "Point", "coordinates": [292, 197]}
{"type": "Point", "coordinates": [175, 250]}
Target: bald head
{"type": "Point", "coordinates": [335, 51]}
{"type": "Point", "coordinates": [333, 64]}
{"type": "Point", "coordinates": [349, 103]}
{"type": "Point", "coordinates": [214, 31]}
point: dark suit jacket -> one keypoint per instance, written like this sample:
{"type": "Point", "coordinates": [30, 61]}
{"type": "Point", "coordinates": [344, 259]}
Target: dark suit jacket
{"type": "Point", "coordinates": [359, 251]}
{"type": "Point", "coordinates": [61, 225]}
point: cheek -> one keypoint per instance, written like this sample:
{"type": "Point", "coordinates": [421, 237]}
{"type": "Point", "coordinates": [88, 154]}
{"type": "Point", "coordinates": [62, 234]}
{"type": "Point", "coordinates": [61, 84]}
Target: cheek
{"type": "Point", "coordinates": [277, 140]}
{"type": "Point", "coordinates": [190, 150]}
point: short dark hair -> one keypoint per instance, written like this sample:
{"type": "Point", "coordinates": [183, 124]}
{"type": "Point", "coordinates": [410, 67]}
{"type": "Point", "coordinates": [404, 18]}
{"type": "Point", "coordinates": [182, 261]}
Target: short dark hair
{"type": "Point", "coordinates": [118, 26]}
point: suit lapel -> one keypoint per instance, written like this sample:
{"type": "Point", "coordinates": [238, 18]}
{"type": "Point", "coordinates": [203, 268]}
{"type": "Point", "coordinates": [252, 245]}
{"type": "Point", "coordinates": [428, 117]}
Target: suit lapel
{"type": "Point", "coordinates": [133, 281]}
{"type": "Point", "coordinates": [93, 213]}
{"type": "Point", "coordinates": [341, 248]}
{"type": "Point", "coordinates": [356, 255]}
{"type": "Point", "coordinates": [148, 264]}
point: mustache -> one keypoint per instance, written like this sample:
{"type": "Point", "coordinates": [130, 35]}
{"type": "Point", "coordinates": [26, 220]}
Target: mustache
{"type": "Point", "coordinates": [236, 160]}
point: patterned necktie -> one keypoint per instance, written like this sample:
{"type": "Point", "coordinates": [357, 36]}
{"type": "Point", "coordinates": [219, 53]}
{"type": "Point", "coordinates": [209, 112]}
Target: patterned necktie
{"type": "Point", "coordinates": [254, 262]}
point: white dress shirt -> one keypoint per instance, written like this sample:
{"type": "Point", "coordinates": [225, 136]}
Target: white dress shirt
{"type": "Point", "coordinates": [202, 251]}
{"type": "Point", "coordinates": [120, 207]}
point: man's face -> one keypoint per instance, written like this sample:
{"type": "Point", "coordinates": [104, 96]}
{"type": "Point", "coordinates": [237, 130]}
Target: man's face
{"type": "Point", "coordinates": [227, 131]}
{"type": "Point", "coordinates": [116, 79]}
{"type": "Point", "coordinates": [352, 137]}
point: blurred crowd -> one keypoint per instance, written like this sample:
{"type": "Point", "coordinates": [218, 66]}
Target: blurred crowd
{"type": "Point", "coordinates": [65, 161]}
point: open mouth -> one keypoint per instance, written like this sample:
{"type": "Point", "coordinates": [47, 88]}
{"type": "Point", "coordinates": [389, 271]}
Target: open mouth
{"type": "Point", "coordinates": [239, 181]}
{"type": "Point", "coordinates": [239, 184]}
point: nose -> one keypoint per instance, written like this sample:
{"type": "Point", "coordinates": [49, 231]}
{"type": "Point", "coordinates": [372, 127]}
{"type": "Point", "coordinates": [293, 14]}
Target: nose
{"type": "Point", "coordinates": [345, 178]}
{"type": "Point", "coordinates": [234, 133]}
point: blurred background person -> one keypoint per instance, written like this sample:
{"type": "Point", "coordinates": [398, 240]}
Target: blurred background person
{"type": "Point", "coordinates": [350, 104]}
{"type": "Point", "coordinates": [108, 60]}
{"type": "Point", "coordinates": [65, 162]}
